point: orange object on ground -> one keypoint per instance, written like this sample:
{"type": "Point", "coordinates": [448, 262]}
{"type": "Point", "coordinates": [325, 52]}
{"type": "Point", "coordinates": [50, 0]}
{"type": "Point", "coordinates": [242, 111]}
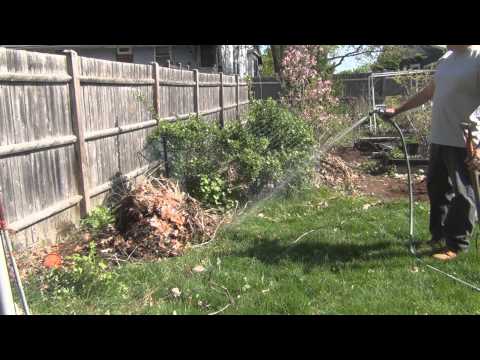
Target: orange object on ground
{"type": "Point", "coordinates": [52, 260]}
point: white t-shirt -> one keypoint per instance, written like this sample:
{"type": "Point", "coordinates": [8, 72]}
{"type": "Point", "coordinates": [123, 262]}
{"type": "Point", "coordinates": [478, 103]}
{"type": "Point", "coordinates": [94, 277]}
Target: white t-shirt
{"type": "Point", "coordinates": [456, 97]}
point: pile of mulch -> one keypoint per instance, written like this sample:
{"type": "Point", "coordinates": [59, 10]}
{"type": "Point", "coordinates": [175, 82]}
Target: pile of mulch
{"type": "Point", "coordinates": [335, 172]}
{"type": "Point", "coordinates": [154, 220]}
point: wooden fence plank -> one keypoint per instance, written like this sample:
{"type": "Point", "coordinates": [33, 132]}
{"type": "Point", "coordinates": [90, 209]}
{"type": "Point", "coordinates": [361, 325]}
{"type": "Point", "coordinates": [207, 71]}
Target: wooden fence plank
{"type": "Point", "coordinates": [46, 213]}
{"type": "Point", "coordinates": [47, 143]}
{"type": "Point", "coordinates": [114, 81]}
{"type": "Point", "coordinates": [222, 110]}
{"type": "Point", "coordinates": [196, 94]}
{"type": "Point", "coordinates": [237, 94]}
{"type": "Point", "coordinates": [79, 128]}
{"type": "Point", "coordinates": [32, 78]}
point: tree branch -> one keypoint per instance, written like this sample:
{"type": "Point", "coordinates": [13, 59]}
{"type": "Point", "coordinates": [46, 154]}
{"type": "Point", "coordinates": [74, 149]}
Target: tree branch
{"type": "Point", "coordinates": [355, 52]}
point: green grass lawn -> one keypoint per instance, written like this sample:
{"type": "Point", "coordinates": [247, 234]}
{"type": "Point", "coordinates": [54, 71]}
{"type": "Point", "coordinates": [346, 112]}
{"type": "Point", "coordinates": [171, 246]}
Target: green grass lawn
{"type": "Point", "coordinates": [356, 262]}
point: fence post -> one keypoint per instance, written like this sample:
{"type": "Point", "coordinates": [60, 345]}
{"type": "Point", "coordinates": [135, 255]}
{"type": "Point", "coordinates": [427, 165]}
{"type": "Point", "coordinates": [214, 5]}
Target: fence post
{"type": "Point", "coordinates": [78, 125]}
{"type": "Point", "coordinates": [237, 95]}
{"type": "Point", "coordinates": [222, 119]}
{"type": "Point", "coordinates": [156, 106]}
{"type": "Point", "coordinates": [196, 93]}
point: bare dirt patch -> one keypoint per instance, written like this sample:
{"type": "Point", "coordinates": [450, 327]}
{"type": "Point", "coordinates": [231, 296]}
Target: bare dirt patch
{"type": "Point", "coordinates": [386, 186]}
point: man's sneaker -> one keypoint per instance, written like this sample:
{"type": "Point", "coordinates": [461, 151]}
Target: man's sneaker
{"type": "Point", "coordinates": [445, 255]}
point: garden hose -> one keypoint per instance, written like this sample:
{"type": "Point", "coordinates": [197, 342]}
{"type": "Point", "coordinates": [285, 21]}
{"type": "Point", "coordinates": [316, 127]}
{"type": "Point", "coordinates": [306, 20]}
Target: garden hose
{"type": "Point", "coordinates": [412, 247]}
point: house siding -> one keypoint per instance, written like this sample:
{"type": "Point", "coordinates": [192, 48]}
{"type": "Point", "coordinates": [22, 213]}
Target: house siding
{"type": "Point", "coordinates": [233, 59]}
{"type": "Point", "coordinates": [103, 54]}
{"type": "Point", "coordinates": [184, 54]}
{"type": "Point", "coordinates": [229, 59]}
{"type": "Point", "coordinates": [143, 55]}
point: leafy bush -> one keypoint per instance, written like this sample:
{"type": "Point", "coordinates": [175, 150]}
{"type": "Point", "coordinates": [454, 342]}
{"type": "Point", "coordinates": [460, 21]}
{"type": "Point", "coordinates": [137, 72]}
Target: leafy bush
{"type": "Point", "coordinates": [218, 166]}
{"type": "Point", "coordinates": [288, 141]}
{"type": "Point", "coordinates": [98, 219]}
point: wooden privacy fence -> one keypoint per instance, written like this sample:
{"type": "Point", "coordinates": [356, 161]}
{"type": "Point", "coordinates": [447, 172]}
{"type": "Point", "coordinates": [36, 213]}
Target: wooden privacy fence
{"type": "Point", "coordinates": [71, 126]}
{"type": "Point", "coordinates": [267, 87]}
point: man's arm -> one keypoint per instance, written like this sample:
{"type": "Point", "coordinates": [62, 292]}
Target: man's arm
{"type": "Point", "coordinates": [417, 100]}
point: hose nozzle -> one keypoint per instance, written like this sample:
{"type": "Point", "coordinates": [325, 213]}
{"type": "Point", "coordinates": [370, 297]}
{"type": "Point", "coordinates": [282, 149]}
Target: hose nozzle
{"type": "Point", "coordinates": [381, 111]}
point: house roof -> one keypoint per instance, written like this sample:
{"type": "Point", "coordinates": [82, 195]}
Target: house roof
{"type": "Point", "coordinates": [33, 47]}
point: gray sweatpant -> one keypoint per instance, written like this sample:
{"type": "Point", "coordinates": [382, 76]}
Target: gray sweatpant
{"type": "Point", "coordinates": [452, 205]}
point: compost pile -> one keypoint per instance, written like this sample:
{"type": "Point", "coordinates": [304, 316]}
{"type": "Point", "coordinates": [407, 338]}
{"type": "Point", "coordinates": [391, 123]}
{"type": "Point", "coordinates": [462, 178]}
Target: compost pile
{"type": "Point", "coordinates": [154, 219]}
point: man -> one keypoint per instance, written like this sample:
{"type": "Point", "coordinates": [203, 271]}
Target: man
{"type": "Point", "coordinates": [455, 91]}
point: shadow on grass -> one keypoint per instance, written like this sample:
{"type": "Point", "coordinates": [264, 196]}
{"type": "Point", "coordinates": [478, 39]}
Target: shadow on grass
{"type": "Point", "coordinates": [333, 256]}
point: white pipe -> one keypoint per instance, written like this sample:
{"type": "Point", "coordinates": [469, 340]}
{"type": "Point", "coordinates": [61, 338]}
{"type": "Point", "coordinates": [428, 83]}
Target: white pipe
{"type": "Point", "coordinates": [7, 306]}
{"type": "Point", "coordinates": [16, 273]}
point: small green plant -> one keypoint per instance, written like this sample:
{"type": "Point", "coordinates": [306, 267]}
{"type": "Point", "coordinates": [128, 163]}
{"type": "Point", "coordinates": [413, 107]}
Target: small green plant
{"type": "Point", "coordinates": [369, 166]}
{"type": "Point", "coordinates": [214, 191]}
{"type": "Point", "coordinates": [98, 220]}
{"type": "Point", "coordinates": [373, 167]}
{"type": "Point", "coordinates": [397, 154]}
{"type": "Point", "coordinates": [83, 276]}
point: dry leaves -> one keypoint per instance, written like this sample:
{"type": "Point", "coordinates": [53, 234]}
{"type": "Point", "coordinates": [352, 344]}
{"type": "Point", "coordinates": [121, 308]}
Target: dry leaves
{"type": "Point", "coordinates": [336, 173]}
{"type": "Point", "coordinates": [156, 219]}
{"type": "Point", "coordinates": [366, 206]}
{"type": "Point", "coordinates": [176, 292]}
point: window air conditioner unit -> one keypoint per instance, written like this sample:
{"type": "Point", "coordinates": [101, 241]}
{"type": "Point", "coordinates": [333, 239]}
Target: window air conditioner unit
{"type": "Point", "coordinates": [124, 51]}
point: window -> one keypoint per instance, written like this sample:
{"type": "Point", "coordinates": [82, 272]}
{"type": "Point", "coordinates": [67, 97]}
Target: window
{"type": "Point", "coordinates": [124, 51]}
{"type": "Point", "coordinates": [125, 54]}
{"type": "Point", "coordinates": [163, 54]}
{"type": "Point", "coordinates": [208, 55]}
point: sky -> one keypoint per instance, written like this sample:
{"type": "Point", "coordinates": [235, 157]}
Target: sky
{"type": "Point", "coordinates": [348, 64]}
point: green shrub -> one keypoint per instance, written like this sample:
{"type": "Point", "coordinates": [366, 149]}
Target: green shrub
{"type": "Point", "coordinates": [219, 166]}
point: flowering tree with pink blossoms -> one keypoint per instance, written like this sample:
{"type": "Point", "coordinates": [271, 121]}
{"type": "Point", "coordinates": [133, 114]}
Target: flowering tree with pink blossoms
{"type": "Point", "coordinates": [307, 91]}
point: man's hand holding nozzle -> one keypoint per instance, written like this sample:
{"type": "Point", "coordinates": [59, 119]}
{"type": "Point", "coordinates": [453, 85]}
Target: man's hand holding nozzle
{"type": "Point", "coordinates": [388, 113]}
